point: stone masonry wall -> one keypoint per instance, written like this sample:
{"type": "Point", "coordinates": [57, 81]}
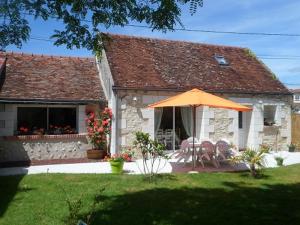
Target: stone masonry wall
{"type": "Point", "coordinates": [221, 123]}
{"type": "Point", "coordinates": [276, 136]}
{"type": "Point", "coordinates": [134, 116]}
{"type": "Point", "coordinates": [43, 149]}
{"type": "Point", "coordinates": [131, 118]}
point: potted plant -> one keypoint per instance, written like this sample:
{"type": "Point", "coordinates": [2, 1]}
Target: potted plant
{"type": "Point", "coordinates": [98, 127]}
{"type": "Point", "coordinates": [279, 160]}
{"type": "Point", "coordinates": [292, 147]}
{"type": "Point", "coordinates": [117, 161]}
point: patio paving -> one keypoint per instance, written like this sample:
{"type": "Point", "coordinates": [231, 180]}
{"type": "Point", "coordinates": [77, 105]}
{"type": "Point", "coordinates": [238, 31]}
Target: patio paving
{"type": "Point", "coordinates": [170, 166]}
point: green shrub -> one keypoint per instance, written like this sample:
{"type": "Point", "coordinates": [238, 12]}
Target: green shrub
{"type": "Point", "coordinates": [279, 160]}
{"type": "Point", "coordinates": [151, 152]}
{"type": "Point", "coordinates": [252, 157]}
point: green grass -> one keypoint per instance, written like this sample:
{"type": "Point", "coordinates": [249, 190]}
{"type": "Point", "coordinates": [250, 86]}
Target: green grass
{"type": "Point", "coordinates": [187, 199]}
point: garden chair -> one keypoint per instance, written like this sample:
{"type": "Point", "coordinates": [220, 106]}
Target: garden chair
{"type": "Point", "coordinates": [208, 151]}
{"type": "Point", "coordinates": [185, 152]}
{"type": "Point", "coordinates": [190, 140]}
{"type": "Point", "coordinates": [223, 150]}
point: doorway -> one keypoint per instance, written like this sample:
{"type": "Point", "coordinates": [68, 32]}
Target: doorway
{"type": "Point", "coordinates": [172, 125]}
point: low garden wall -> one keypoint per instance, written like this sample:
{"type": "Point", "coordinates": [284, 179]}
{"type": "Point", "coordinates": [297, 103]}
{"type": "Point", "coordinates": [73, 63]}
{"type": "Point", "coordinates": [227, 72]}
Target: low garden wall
{"type": "Point", "coordinates": [43, 147]}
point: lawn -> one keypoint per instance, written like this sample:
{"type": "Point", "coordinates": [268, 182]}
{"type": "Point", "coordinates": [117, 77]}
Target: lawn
{"type": "Point", "coordinates": [187, 199]}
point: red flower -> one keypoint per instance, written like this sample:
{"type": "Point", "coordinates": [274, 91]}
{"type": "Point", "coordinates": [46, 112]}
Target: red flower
{"type": "Point", "coordinates": [104, 122]}
{"type": "Point", "coordinates": [100, 129]}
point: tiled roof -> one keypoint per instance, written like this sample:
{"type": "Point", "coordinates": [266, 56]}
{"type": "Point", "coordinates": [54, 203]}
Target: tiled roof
{"type": "Point", "coordinates": [295, 90]}
{"type": "Point", "coordinates": [50, 78]}
{"type": "Point", "coordinates": [145, 63]}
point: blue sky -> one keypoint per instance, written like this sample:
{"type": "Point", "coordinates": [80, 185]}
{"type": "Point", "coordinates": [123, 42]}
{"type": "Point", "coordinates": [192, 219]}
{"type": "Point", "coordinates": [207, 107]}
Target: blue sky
{"type": "Point", "coordinates": [271, 16]}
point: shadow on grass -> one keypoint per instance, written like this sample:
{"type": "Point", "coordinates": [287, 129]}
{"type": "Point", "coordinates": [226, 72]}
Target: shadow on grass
{"type": "Point", "coordinates": [233, 204]}
{"type": "Point", "coordinates": [260, 175]}
{"type": "Point", "coordinates": [9, 186]}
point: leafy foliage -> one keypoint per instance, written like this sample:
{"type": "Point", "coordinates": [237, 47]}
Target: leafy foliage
{"type": "Point", "coordinates": [152, 153]}
{"type": "Point", "coordinates": [254, 158]}
{"type": "Point", "coordinates": [75, 206]}
{"type": "Point", "coordinates": [82, 19]}
{"type": "Point", "coordinates": [99, 127]}
{"type": "Point", "coordinates": [279, 160]}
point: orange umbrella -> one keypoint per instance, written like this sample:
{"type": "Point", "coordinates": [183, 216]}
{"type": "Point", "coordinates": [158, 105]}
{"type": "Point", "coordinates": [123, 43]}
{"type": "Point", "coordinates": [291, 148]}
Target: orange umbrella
{"type": "Point", "coordinates": [195, 98]}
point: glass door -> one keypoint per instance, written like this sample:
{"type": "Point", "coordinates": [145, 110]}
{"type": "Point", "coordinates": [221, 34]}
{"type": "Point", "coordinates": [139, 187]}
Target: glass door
{"type": "Point", "coordinates": [170, 126]}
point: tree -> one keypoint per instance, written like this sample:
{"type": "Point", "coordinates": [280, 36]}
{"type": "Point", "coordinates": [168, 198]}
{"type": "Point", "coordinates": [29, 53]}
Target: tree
{"type": "Point", "coordinates": [83, 18]}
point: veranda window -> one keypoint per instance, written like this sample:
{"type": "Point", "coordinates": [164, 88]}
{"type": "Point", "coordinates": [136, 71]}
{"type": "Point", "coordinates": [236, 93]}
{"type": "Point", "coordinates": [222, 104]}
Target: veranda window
{"type": "Point", "coordinates": [46, 120]}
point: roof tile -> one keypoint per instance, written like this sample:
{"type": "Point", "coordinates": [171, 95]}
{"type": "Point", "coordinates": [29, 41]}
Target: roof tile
{"type": "Point", "coordinates": [31, 77]}
{"type": "Point", "coordinates": [144, 63]}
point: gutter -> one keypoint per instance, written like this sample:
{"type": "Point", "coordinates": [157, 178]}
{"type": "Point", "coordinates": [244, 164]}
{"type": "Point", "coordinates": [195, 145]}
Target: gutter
{"type": "Point", "coordinates": [116, 88]}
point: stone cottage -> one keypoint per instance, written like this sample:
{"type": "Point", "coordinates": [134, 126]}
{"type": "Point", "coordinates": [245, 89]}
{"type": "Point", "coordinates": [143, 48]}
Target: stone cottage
{"type": "Point", "coordinates": [136, 72]}
{"type": "Point", "coordinates": [43, 100]}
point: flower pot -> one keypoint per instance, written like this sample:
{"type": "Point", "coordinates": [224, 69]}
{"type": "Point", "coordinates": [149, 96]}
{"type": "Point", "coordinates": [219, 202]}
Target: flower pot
{"type": "Point", "coordinates": [95, 154]}
{"type": "Point", "coordinates": [292, 148]}
{"type": "Point", "coordinates": [116, 166]}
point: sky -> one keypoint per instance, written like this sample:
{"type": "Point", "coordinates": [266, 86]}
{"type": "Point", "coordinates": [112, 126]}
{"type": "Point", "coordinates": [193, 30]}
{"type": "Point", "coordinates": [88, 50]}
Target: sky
{"type": "Point", "coordinates": [267, 16]}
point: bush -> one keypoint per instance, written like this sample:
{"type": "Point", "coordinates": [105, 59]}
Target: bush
{"type": "Point", "coordinates": [75, 209]}
{"type": "Point", "coordinates": [254, 158]}
{"type": "Point", "coordinates": [279, 160]}
{"type": "Point", "coordinates": [152, 153]}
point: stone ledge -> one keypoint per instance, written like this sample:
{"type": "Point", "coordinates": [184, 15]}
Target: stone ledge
{"type": "Point", "coordinates": [43, 137]}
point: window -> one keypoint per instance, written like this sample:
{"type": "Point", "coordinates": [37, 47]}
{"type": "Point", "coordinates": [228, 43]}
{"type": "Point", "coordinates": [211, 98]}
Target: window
{"type": "Point", "coordinates": [43, 120]}
{"type": "Point", "coordinates": [240, 120]}
{"type": "Point", "coordinates": [269, 115]}
{"type": "Point", "coordinates": [221, 60]}
{"type": "Point", "coordinates": [2, 107]}
{"type": "Point", "coordinates": [297, 97]}
{"type": "Point", "coordinates": [32, 120]}
{"type": "Point", "coordinates": [2, 123]}
{"type": "Point", "coordinates": [62, 120]}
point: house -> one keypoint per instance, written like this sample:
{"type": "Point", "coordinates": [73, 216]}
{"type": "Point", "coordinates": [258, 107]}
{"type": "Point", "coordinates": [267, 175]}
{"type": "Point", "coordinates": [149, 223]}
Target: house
{"type": "Point", "coordinates": [43, 100]}
{"type": "Point", "coordinates": [296, 100]}
{"type": "Point", "coordinates": [136, 72]}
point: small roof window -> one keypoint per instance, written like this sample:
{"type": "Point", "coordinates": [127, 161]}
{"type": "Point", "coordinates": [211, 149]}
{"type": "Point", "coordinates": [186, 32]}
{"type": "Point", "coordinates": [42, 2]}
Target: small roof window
{"type": "Point", "coordinates": [221, 60]}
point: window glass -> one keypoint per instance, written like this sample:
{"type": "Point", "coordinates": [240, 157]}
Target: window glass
{"type": "Point", "coordinates": [221, 60]}
{"type": "Point", "coordinates": [2, 107]}
{"type": "Point", "coordinates": [62, 120]}
{"type": "Point", "coordinates": [36, 120]}
{"type": "Point", "coordinates": [240, 120]}
{"type": "Point", "coordinates": [32, 120]}
{"type": "Point", "coordinates": [2, 123]}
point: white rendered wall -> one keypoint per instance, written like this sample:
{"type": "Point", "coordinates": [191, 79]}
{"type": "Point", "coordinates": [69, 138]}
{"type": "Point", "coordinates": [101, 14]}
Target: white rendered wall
{"type": "Point", "coordinates": [107, 83]}
{"type": "Point", "coordinates": [9, 116]}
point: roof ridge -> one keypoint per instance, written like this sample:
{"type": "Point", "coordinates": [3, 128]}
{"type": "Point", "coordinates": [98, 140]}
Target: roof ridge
{"type": "Point", "coordinates": [178, 41]}
{"type": "Point", "coordinates": [43, 55]}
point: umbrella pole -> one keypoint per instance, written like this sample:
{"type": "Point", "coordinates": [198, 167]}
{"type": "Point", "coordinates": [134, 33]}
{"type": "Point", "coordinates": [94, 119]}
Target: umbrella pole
{"type": "Point", "coordinates": [194, 134]}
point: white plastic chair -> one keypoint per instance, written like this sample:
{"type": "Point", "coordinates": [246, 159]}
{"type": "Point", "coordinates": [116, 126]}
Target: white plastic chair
{"type": "Point", "coordinates": [223, 150]}
{"type": "Point", "coordinates": [208, 151]}
{"type": "Point", "coordinates": [185, 152]}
